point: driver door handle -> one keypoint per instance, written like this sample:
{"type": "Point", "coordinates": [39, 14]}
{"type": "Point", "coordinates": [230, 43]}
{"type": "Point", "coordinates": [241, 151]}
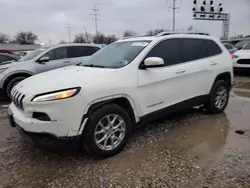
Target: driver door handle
{"type": "Point", "coordinates": [213, 63]}
{"type": "Point", "coordinates": [180, 71]}
{"type": "Point", "coordinates": [66, 61]}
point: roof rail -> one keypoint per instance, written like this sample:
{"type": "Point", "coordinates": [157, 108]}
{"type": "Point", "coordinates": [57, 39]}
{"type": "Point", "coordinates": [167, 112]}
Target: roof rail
{"type": "Point", "coordinates": [174, 33]}
{"type": "Point", "coordinates": [130, 37]}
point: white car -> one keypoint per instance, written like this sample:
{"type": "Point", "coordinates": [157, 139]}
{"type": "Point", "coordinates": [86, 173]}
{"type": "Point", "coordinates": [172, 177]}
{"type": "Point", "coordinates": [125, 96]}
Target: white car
{"type": "Point", "coordinates": [242, 58]}
{"type": "Point", "coordinates": [97, 104]}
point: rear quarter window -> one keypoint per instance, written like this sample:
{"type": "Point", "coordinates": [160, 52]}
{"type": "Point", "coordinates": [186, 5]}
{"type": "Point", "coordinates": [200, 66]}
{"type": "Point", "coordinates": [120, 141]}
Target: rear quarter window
{"type": "Point", "coordinates": [193, 49]}
{"type": "Point", "coordinates": [212, 47]}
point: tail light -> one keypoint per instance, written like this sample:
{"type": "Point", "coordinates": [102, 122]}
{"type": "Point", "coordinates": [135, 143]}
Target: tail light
{"type": "Point", "coordinates": [233, 56]}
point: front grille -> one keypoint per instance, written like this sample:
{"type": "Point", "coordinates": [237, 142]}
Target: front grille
{"type": "Point", "coordinates": [244, 61]}
{"type": "Point", "coordinates": [17, 98]}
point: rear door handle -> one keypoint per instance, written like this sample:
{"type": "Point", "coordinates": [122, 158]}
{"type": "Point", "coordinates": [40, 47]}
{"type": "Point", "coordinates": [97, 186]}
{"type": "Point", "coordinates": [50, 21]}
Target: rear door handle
{"type": "Point", "coordinates": [213, 63]}
{"type": "Point", "coordinates": [66, 61]}
{"type": "Point", "coordinates": [180, 71]}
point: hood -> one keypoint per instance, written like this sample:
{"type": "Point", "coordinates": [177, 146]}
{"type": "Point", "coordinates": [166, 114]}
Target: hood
{"type": "Point", "coordinates": [9, 64]}
{"type": "Point", "coordinates": [243, 53]}
{"type": "Point", "coordinates": [72, 76]}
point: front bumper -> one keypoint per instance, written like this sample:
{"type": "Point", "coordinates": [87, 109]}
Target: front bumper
{"type": "Point", "coordinates": [61, 130]}
{"type": "Point", "coordinates": [65, 116]}
{"type": "Point", "coordinates": [46, 140]}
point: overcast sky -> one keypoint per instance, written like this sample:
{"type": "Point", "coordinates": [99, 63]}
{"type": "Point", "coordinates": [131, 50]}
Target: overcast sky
{"type": "Point", "coordinates": [49, 18]}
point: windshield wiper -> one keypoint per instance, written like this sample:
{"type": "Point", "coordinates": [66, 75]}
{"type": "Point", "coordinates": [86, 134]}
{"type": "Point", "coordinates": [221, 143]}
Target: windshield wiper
{"type": "Point", "coordinates": [92, 65]}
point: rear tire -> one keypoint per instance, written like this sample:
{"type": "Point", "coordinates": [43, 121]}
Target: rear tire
{"type": "Point", "coordinates": [218, 98]}
{"type": "Point", "coordinates": [107, 131]}
{"type": "Point", "coordinates": [11, 84]}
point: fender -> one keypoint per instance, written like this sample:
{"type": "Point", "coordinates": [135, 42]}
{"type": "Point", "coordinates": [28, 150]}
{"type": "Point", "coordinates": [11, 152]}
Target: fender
{"type": "Point", "coordinates": [104, 100]}
{"type": "Point", "coordinates": [14, 74]}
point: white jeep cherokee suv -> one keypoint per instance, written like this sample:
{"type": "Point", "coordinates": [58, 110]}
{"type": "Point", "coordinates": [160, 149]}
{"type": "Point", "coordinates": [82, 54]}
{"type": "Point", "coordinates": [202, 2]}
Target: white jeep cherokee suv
{"type": "Point", "coordinates": [97, 104]}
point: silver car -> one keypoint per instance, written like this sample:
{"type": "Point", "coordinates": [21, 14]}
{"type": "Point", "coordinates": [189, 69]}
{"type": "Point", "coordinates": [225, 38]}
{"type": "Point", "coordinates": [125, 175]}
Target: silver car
{"type": "Point", "coordinates": [42, 60]}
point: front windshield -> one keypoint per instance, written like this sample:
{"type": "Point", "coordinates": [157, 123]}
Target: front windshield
{"type": "Point", "coordinates": [33, 54]}
{"type": "Point", "coordinates": [116, 55]}
{"type": "Point", "coordinates": [247, 46]}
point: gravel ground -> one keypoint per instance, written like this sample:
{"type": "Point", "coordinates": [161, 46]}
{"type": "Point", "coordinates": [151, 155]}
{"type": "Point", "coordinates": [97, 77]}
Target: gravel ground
{"type": "Point", "coordinates": [191, 149]}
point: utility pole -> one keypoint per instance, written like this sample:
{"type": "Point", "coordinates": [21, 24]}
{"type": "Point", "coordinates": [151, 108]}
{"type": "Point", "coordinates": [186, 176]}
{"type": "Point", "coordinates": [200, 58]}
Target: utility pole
{"type": "Point", "coordinates": [174, 8]}
{"type": "Point", "coordinates": [69, 32]}
{"type": "Point", "coordinates": [95, 15]}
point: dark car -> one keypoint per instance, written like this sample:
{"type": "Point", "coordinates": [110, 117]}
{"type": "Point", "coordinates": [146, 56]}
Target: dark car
{"type": "Point", "coordinates": [230, 47]}
{"type": "Point", "coordinates": [7, 58]}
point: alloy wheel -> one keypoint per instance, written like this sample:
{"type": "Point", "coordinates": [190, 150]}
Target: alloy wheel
{"type": "Point", "coordinates": [221, 97]}
{"type": "Point", "coordinates": [110, 132]}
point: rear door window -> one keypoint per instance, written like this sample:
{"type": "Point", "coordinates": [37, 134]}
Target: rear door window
{"type": "Point", "coordinates": [81, 51]}
{"type": "Point", "coordinates": [58, 53]}
{"type": "Point", "coordinates": [193, 49]}
{"type": "Point", "coordinates": [168, 50]}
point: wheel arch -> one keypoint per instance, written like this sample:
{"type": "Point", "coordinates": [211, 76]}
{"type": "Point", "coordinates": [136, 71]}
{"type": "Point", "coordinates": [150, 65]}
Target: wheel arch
{"type": "Point", "coordinates": [226, 76]}
{"type": "Point", "coordinates": [14, 75]}
{"type": "Point", "coordinates": [122, 100]}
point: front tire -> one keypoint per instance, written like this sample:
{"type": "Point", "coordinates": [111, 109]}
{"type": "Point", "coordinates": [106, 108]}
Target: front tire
{"type": "Point", "coordinates": [11, 84]}
{"type": "Point", "coordinates": [107, 131]}
{"type": "Point", "coordinates": [218, 98]}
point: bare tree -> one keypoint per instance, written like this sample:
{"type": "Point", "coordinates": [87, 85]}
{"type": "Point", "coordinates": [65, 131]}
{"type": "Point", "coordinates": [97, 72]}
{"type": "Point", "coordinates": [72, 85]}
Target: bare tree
{"type": "Point", "coordinates": [129, 33]}
{"type": "Point", "coordinates": [102, 39]}
{"type": "Point", "coordinates": [80, 38]}
{"type": "Point", "coordinates": [110, 39]}
{"type": "Point", "coordinates": [154, 32]}
{"type": "Point", "coordinates": [62, 42]}
{"type": "Point", "coordinates": [26, 38]}
{"type": "Point", "coordinates": [4, 38]}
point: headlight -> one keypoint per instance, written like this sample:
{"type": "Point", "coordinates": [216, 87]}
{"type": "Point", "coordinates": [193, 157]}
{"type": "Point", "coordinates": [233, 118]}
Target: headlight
{"type": "Point", "coordinates": [56, 95]}
{"type": "Point", "coordinates": [2, 70]}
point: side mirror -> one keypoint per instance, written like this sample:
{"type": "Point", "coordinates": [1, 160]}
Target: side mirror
{"type": "Point", "coordinates": [152, 62]}
{"type": "Point", "coordinates": [43, 60]}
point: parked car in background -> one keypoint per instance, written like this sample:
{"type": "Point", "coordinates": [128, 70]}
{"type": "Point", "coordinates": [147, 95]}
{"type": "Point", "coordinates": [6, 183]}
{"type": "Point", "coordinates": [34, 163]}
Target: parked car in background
{"type": "Point", "coordinates": [242, 58]}
{"type": "Point", "coordinates": [7, 51]}
{"type": "Point", "coordinates": [7, 58]}
{"type": "Point", "coordinates": [97, 104]}
{"type": "Point", "coordinates": [230, 47]}
{"type": "Point", "coordinates": [42, 60]}
{"type": "Point", "coordinates": [241, 44]}
{"type": "Point", "coordinates": [24, 53]}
